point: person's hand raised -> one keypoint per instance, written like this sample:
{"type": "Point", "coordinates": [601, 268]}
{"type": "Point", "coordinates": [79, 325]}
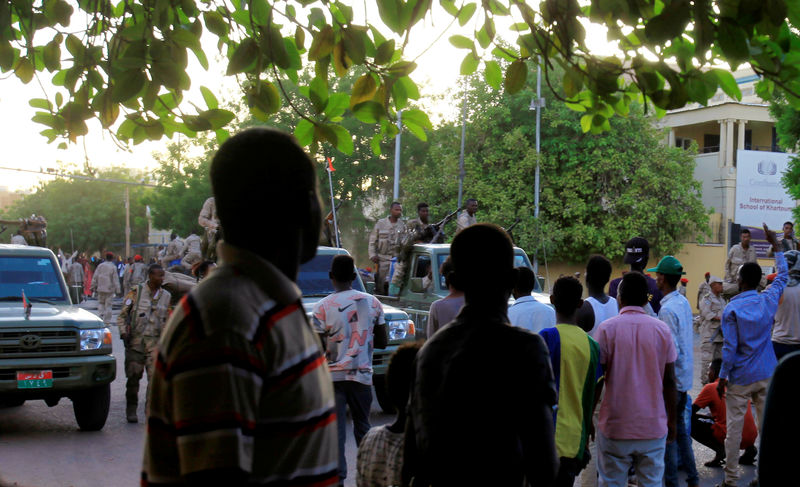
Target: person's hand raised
{"type": "Point", "coordinates": [771, 238]}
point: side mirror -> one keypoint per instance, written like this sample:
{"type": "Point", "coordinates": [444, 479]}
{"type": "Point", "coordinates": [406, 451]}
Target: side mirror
{"type": "Point", "coordinates": [416, 285]}
{"type": "Point", "coordinates": [370, 286]}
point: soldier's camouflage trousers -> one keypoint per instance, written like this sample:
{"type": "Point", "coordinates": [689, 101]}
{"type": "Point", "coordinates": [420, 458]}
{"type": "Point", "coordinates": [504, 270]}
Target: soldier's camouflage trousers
{"type": "Point", "coordinates": [139, 356]}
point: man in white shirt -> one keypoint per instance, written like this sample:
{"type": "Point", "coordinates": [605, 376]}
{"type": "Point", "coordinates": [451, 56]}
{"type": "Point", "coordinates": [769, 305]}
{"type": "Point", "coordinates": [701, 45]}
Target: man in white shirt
{"type": "Point", "coordinates": [526, 312]}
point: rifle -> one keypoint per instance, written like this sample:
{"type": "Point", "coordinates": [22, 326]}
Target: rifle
{"type": "Point", "coordinates": [440, 226]}
{"type": "Point", "coordinates": [511, 228]}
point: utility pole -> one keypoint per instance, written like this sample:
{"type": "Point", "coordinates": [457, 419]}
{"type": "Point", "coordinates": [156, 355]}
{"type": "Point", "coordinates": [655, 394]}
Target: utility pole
{"type": "Point", "coordinates": [127, 222]}
{"type": "Point", "coordinates": [396, 194]}
{"type": "Point", "coordinates": [537, 105]}
{"type": "Point", "coordinates": [461, 171]}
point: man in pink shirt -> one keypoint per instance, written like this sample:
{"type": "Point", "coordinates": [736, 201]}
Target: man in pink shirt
{"type": "Point", "coordinates": [638, 413]}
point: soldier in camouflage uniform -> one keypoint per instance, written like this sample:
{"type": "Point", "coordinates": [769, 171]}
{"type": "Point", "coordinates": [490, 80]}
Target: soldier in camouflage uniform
{"type": "Point", "coordinates": [209, 220]}
{"type": "Point", "coordinates": [192, 251]}
{"type": "Point", "coordinates": [711, 307]}
{"type": "Point", "coordinates": [141, 320]}
{"type": "Point", "coordinates": [417, 230]}
{"type": "Point", "coordinates": [174, 250]}
{"type": "Point", "coordinates": [384, 244]}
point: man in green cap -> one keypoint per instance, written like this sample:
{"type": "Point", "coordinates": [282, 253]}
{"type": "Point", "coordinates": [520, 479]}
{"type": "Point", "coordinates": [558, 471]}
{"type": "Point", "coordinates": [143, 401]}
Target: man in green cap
{"type": "Point", "coordinates": [676, 312]}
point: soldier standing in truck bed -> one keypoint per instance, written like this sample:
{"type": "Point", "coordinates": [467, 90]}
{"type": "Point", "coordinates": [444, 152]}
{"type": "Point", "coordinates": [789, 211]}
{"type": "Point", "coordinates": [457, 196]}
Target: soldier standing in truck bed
{"type": "Point", "coordinates": [384, 243]}
{"type": "Point", "coordinates": [192, 250]}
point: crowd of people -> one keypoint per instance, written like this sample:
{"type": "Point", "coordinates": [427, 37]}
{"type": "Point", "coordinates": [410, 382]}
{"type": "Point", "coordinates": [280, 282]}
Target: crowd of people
{"type": "Point", "coordinates": [244, 390]}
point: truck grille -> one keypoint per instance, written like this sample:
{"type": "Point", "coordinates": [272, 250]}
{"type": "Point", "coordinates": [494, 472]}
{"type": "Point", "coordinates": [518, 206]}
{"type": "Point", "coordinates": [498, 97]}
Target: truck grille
{"type": "Point", "coordinates": [38, 342]}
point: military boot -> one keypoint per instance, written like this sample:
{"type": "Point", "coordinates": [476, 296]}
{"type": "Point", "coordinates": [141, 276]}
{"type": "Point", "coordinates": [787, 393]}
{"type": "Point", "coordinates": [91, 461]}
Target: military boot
{"type": "Point", "coordinates": [130, 412]}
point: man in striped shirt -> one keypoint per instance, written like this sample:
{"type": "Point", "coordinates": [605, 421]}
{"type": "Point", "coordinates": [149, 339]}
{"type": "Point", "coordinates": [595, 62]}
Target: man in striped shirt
{"type": "Point", "coordinates": [242, 394]}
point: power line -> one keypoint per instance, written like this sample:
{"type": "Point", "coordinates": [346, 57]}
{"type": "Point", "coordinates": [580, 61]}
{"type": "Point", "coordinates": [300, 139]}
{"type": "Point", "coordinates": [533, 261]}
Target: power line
{"type": "Point", "coordinates": [78, 176]}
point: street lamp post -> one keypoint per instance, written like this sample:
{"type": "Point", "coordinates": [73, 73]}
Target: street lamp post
{"type": "Point", "coordinates": [537, 105]}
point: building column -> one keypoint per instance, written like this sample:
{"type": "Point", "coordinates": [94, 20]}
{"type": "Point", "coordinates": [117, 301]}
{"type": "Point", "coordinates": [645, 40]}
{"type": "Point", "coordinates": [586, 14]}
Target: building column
{"type": "Point", "coordinates": [729, 154]}
{"type": "Point", "coordinates": [742, 124]}
{"type": "Point", "coordinates": [723, 133]}
{"type": "Point", "coordinates": [671, 138]}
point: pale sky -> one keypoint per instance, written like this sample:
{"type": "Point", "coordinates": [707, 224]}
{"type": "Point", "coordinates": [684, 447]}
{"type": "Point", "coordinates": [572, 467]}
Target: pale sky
{"type": "Point", "coordinates": [25, 148]}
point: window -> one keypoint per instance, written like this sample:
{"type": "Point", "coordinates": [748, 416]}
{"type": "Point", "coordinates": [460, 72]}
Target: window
{"type": "Point", "coordinates": [36, 276]}
{"type": "Point", "coordinates": [313, 278]}
{"type": "Point", "coordinates": [710, 143]}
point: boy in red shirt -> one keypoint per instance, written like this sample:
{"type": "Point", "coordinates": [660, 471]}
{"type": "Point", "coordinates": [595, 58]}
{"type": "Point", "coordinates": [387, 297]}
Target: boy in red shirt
{"type": "Point", "coordinates": [711, 430]}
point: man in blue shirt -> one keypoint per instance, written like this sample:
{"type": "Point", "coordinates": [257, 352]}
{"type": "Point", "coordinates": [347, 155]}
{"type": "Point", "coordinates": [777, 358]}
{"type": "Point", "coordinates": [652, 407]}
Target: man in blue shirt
{"type": "Point", "coordinates": [676, 312]}
{"type": "Point", "coordinates": [748, 358]}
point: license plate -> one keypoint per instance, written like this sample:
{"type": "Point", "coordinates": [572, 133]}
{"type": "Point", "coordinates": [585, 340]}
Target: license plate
{"type": "Point", "coordinates": [36, 379]}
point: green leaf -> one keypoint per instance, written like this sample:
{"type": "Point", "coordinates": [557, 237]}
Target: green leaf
{"type": "Point", "coordinates": [402, 68]}
{"type": "Point", "coordinates": [354, 45]}
{"type": "Point", "coordinates": [322, 45]}
{"type": "Point", "coordinates": [300, 38]}
{"type": "Point", "coordinates": [40, 103]}
{"type": "Point", "coordinates": [516, 75]}
{"type": "Point", "coordinates": [304, 132]}
{"type": "Point", "coordinates": [337, 105]}
{"type": "Point", "coordinates": [74, 46]}
{"type": "Point", "coordinates": [385, 52]}
{"type": "Point", "coordinates": [318, 93]}
{"type": "Point", "coordinates": [260, 11]}
{"type": "Point", "coordinates": [215, 23]}
{"type": "Point", "coordinates": [493, 74]}
{"type": "Point", "coordinates": [244, 57]}
{"type": "Point", "coordinates": [7, 55]}
{"type": "Point", "coordinates": [24, 70]}
{"type": "Point", "coordinates": [416, 130]}
{"type": "Point", "coordinates": [363, 90]}
{"type": "Point", "coordinates": [185, 39]}
{"type": "Point", "coordinates": [264, 96]}
{"type": "Point", "coordinates": [369, 111]}
{"type": "Point", "coordinates": [389, 11]}
{"type": "Point", "coordinates": [466, 13]}
{"type": "Point", "coordinates": [728, 83]}
{"type": "Point", "coordinates": [218, 118]}
{"type": "Point", "coordinates": [375, 144]}
{"type": "Point", "coordinates": [194, 123]}
{"type": "Point", "coordinates": [417, 117]}
{"type": "Point", "coordinates": [462, 42]}
{"type": "Point", "coordinates": [208, 96]}
{"type": "Point", "coordinates": [732, 40]}
{"type": "Point", "coordinates": [470, 64]}
{"type": "Point", "coordinates": [409, 87]}
{"type": "Point", "coordinates": [344, 141]}
{"type": "Point", "coordinates": [52, 56]}
{"type": "Point", "coordinates": [586, 122]}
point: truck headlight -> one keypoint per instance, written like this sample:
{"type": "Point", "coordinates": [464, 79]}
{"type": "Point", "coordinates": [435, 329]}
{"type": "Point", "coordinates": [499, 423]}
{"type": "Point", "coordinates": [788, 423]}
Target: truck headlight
{"type": "Point", "coordinates": [95, 339]}
{"type": "Point", "coordinates": [399, 329]}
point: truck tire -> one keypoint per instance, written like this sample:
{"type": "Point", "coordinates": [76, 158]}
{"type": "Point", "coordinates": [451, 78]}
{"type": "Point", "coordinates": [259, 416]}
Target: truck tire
{"type": "Point", "coordinates": [91, 407]}
{"type": "Point", "coordinates": [379, 381]}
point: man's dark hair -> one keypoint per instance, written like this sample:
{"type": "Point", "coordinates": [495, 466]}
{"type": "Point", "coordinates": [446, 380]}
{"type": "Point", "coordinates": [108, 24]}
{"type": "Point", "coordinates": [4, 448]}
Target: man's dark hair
{"type": "Point", "coordinates": [422, 205]}
{"type": "Point", "coordinates": [173, 236]}
{"type": "Point", "coordinates": [109, 256]}
{"type": "Point", "coordinates": [525, 282]}
{"type": "Point", "coordinates": [400, 372]}
{"type": "Point", "coordinates": [598, 271]}
{"type": "Point", "coordinates": [745, 230]}
{"type": "Point", "coordinates": [716, 366]}
{"type": "Point", "coordinates": [470, 200]}
{"type": "Point", "coordinates": [633, 289]}
{"type": "Point", "coordinates": [751, 274]}
{"type": "Point", "coordinates": [672, 279]}
{"type": "Point", "coordinates": [567, 292]}
{"type": "Point", "coordinates": [260, 168]}
{"type": "Point", "coordinates": [154, 267]}
{"type": "Point", "coordinates": [343, 268]}
{"type": "Point", "coordinates": [789, 223]}
{"type": "Point", "coordinates": [483, 262]}
{"type": "Point", "coordinates": [395, 203]}
{"type": "Point", "coordinates": [446, 270]}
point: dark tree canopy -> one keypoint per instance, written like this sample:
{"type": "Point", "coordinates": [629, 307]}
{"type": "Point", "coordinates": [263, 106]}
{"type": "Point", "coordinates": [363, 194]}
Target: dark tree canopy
{"type": "Point", "coordinates": [124, 62]}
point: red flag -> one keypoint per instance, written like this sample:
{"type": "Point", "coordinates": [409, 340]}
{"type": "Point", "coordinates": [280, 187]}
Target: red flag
{"type": "Point", "coordinates": [26, 304]}
{"type": "Point", "coordinates": [330, 164]}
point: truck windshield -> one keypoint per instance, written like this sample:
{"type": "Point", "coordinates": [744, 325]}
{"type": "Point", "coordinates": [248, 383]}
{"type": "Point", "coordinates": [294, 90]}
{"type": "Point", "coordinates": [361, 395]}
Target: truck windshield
{"type": "Point", "coordinates": [34, 275]}
{"type": "Point", "coordinates": [520, 260]}
{"type": "Point", "coordinates": [313, 277]}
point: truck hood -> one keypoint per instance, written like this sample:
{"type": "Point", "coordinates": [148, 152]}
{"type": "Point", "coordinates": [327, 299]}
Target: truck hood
{"type": "Point", "coordinates": [12, 315]}
{"type": "Point", "coordinates": [390, 313]}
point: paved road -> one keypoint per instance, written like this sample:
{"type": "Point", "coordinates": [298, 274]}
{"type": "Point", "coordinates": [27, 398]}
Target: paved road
{"type": "Point", "coordinates": [42, 446]}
